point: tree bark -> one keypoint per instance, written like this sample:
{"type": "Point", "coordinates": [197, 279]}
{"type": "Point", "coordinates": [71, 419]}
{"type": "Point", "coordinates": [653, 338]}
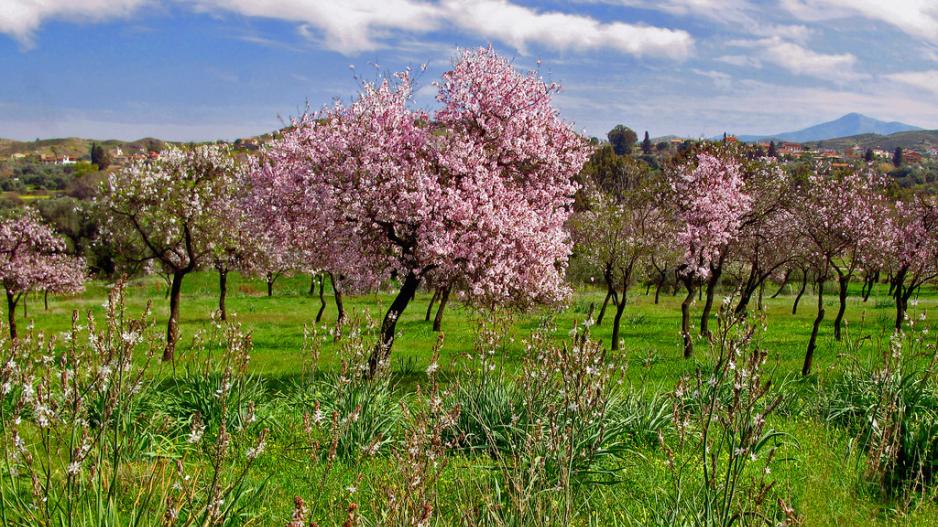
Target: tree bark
{"type": "Point", "coordinates": [617, 322]}
{"type": "Point", "coordinates": [901, 298]}
{"type": "Point", "coordinates": [444, 298]}
{"type": "Point", "coordinates": [715, 273]}
{"type": "Point", "coordinates": [804, 285]}
{"type": "Point", "coordinates": [382, 350]}
{"type": "Point", "coordinates": [222, 293]}
{"type": "Point", "coordinates": [322, 298]}
{"type": "Point", "coordinates": [685, 317]}
{"type": "Point", "coordinates": [337, 292]}
{"type": "Point", "coordinates": [812, 344]}
{"type": "Point", "coordinates": [11, 313]}
{"type": "Point", "coordinates": [761, 295]}
{"type": "Point", "coordinates": [843, 280]}
{"type": "Point", "coordinates": [436, 295]}
{"type": "Point", "coordinates": [602, 310]}
{"type": "Point", "coordinates": [658, 286]}
{"type": "Point", "coordinates": [270, 285]}
{"type": "Point", "coordinates": [172, 326]}
{"type": "Point", "coordinates": [312, 284]}
{"type": "Point", "coordinates": [45, 299]}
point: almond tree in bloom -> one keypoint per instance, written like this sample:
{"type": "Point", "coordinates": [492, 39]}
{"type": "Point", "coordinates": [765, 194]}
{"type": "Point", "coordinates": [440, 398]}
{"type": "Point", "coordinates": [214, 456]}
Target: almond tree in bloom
{"type": "Point", "coordinates": [840, 218]}
{"type": "Point", "coordinates": [913, 249]}
{"type": "Point", "coordinates": [33, 257]}
{"type": "Point", "coordinates": [709, 205]}
{"type": "Point", "coordinates": [480, 190]}
{"type": "Point", "coordinates": [168, 212]}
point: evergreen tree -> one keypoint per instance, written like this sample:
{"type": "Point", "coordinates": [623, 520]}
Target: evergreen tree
{"type": "Point", "coordinates": [100, 156]}
{"type": "Point", "coordinates": [897, 157]}
{"type": "Point", "coordinates": [622, 138]}
{"type": "Point", "coordinates": [646, 144]}
{"type": "Point", "coordinates": [773, 152]}
{"type": "Point", "coordinates": [868, 156]}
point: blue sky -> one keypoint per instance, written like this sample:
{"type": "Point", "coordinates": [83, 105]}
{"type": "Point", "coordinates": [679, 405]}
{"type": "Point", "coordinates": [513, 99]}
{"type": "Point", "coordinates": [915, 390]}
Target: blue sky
{"type": "Point", "coordinates": [207, 69]}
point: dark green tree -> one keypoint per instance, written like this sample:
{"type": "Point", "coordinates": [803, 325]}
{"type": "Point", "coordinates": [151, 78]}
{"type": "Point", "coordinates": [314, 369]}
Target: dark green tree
{"type": "Point", "coordinates": [868, 156]}
{"type": "Point", "coordinates": [897, 157]}
{"type": "Point", "coordinates": [646, 144]}
{"type": "Point", "coordinates": [100, 156]}
{"type": "Point", "coordinates": [773, 151]}
{"type": "Point", "coordinates": [622, 138]}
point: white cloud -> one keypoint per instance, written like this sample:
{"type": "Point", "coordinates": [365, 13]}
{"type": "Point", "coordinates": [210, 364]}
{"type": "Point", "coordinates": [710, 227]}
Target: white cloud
{"type": "Point", "coordinates": [800, 60]}
{"type": "Point", "coordinates": [520, 27]}
{"type": "Point", "coordinates": [21, 18]}
{"type": "Point", "coordinates": [925, 80]}
{"type": "Point", "coordinates": [348, 26]}
{"type": "Point", "coordinates": [918, 18]}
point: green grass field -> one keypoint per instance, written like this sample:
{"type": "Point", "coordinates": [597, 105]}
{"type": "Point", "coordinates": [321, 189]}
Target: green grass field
{"type": "Point", "coordinates": [818, 468]}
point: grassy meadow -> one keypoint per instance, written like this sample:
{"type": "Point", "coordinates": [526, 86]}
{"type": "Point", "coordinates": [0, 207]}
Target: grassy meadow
{"type": "Point", "coordinates": [819, 468]}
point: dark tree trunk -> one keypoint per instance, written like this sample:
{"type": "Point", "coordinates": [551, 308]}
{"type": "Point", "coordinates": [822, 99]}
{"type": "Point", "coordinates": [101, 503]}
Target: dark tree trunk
{"type": "Point", "coordinates": [270, 285]}
{"type": "Point", "coordinates": [11, 313]}
{"type": "Point", "coordinates": [685, 317]}
{"type": "Point", "coordinates": [444, 298]}
{"type": "Point", "coordinates": [746, 291]}
{"type": "Point", "coordinates": [45, 299]}
{"type": "Point", "coordinates": [312, 284]}
{"type": "Point", "coordinates": [322, 298]}
{"type": "Point", "coordinates": [337, 292]}
{"type": "Point", "coordinates": [602, 310]}
{"type": "Point", "coordinates": [661, 281]}
{"type": "Point", "coordinates": [26, 305]}
{"type": "Point", "coordinates": [784, 283]}
{"type": "Point", "coordinates": [804, 285]}
{"type": "Point", "coordinates": [812, 344]}
{"type": "Point", "coordinates": [617, 323]}
{"type": "Point", "coordinates": [843, 280]}
{"type": "Point", "coordinates": [222, 293]}
{"type": "Point", "coordinates": [871, 283]}
{"type": "Point", "coordinates": [172, 326]}
{"type": "Point", "coordinates": [712, 282]}
{"type": "Point", "coordinates": [901, 298]}
{"type": "Point", "coordinates": [761, 295]}
{"type": "Point", "coordinates": [382, 350]}
{"type": "Point", "coordinates": [433, 299]}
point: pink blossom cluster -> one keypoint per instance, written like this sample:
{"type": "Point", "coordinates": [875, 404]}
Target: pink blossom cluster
{"type": "Point", "coordinates": [33, 257]}
{"type": "Point", "coordinates": [479, 191]}
{"type": "Point", "coordinates": [710, 204]}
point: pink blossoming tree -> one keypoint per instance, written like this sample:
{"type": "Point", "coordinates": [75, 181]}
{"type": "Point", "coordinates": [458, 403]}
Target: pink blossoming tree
{"type": "Point", "coordinates": [709, 206]}
{"type": "Point", "coordinates": [480, 190]}
{"type": "Point", "coordinates": [913, 249]}
{"type": "Point", "coordinates": [838, 217]}
{"type": "Point", "coordinates": [33, 257]}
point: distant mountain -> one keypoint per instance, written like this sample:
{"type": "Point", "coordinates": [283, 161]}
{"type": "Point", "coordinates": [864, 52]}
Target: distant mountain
{"type": "Point", "coordinates": [920, 140]}
{"type": "Point", "coordinates": [851, 124]}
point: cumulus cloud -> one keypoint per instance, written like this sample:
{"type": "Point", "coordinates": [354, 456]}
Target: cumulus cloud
{"type": "Point", "coordinates": [520, 27]}
{"type": "Point", "coordinates": [21, 18]}
{"type": "Point", "coordinates": [918, 18]}
{"type": "Point", "coordinates": [347, 26]}
{"type": "Point", "coordinates": [925, 80]}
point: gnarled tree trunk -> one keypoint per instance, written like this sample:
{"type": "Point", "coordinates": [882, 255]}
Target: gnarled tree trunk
{"type": "Point", "coordinates": [712, 282]}
{"type": "Point", "coordinates": [812, 343]}
{"type": "Point", "coordinates": [222, 293]}
{"type": "Point", "coordinates": [322, 298]}
{"type": "Point", "coordinates": [444, 298]}
{"type": "Point", "coordinates": [11, 313]}
{"type": "Point", "coordinates": [433, 299]}
{"type": "Point", "coordinates": [382, 350]}
{"type": "Point", "coordinates": [843, 280]}
{"type": "Point", "coordinates": [804, 285]}
{"type": "Point", "coordinates": [172, 326]}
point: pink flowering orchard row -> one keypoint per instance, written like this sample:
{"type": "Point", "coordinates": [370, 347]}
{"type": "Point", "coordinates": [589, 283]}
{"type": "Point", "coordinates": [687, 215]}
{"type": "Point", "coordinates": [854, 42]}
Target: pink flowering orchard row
{"type": "Point", "coordinates": [724, 212]}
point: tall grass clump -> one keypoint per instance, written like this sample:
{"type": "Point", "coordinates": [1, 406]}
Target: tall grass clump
{"type": "Point", "coordinates": [720, 458]}
{"type": "Point", "coordinates": [547, 431]}
{"type": "Point", "coordinates": [346, 414]}
{"type": "Point", "coordinates": [81, 443]}
{"type": "Point", "coordinates": [890, 403]}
